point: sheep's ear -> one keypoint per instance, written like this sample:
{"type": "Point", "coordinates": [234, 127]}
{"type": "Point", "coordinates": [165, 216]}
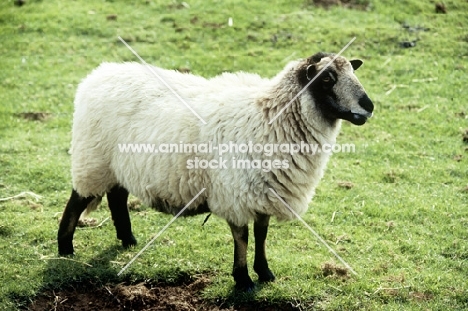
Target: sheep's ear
{"type": "Point", "coordinates": [310, 70]}
{"type": "Point", "coordinates": [356, 63]}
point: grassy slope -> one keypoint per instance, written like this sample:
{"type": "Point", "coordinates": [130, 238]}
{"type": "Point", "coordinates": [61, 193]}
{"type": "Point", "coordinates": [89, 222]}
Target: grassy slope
{"type": "Point", "coordinates": [402, 226]}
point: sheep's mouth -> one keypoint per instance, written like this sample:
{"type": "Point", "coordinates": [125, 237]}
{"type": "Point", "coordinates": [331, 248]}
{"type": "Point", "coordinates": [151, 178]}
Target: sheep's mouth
{"type": "Point", "coordinates": [358, 118]}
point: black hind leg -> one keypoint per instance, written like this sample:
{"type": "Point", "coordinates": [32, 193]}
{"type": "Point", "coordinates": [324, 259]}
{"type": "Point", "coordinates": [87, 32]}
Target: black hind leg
{"type": "Point", "coordinates": [75, 206]}
{"type": "Point", "coordinates": [117, 199]}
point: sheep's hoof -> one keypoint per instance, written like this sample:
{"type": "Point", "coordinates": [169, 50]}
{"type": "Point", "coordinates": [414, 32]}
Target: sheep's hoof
{"type": "Point", "coordinates": [127, 243]}
{"type": "Point", "coordinates": [243, 281]}
{"type": "Point", "coordinates": [246, 286]}
{"type": "Point", "coordinates": [266, 276]}
{"type": "Point", "coordinates": [66, 251]}
{"type": "Point", "coordinates": [264, 273]}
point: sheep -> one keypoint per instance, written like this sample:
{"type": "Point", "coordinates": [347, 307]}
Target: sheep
{"type": "Point", "coordinates": [124, 103]}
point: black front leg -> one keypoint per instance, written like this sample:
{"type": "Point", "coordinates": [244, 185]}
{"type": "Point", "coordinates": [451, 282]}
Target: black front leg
{"type": "Point", "coordinates": [260, 262]}
{"type": "Point", "coordinates": [240, 271]}
{"type": "Point", "coordinates": [117, 198]}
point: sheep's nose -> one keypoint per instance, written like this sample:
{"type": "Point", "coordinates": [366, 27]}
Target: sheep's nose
{"type": "Point", "coordinates": [366, 103]}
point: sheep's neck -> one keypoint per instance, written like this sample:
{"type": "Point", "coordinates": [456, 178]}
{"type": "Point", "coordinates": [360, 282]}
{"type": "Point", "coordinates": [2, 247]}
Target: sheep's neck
{"type": "Point", "coordinates": [291, 125]}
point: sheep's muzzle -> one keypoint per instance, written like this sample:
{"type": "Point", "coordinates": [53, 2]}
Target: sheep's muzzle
{"type": "Point", "coordinates": [359, 118]}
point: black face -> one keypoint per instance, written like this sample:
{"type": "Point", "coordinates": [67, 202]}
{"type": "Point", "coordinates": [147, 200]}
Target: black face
{"type": "Point", "coordinates": [321, 90]}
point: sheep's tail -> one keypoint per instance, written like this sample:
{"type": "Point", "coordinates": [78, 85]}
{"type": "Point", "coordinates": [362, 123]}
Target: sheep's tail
{"type": "Point", "coordinates": [92, 206]}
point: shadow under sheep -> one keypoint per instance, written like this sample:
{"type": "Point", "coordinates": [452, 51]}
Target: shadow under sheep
{"type": "Point", "coordinates": [94, 285]}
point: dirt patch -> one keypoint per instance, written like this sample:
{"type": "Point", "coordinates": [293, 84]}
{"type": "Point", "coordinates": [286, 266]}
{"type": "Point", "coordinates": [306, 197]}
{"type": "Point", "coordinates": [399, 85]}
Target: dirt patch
{"type": "Point", "coordinates": [419, 296]}
{"type": "Point", "coordinates": [345, 184]}
{"type": "Point", "coordinates": [465, 136]}
{"type": "Point", "coordinates": [111, 17]}
{"type": "Point", "coordinates": [34, 116]}
{"type": "Point", "coordinates": [352, 4]}
{"type": "Point", "coordinates": [458, 157]}
{"type": "Point", "coordinates": [333, 270]}
{"type": "Point", "coordinates": [142, 296]}
{"type": "Point", "coordinates": [440, 8]}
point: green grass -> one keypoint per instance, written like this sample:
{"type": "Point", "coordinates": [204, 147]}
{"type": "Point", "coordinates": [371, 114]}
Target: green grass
{"type": "Point", "coordinates": [402, 227]}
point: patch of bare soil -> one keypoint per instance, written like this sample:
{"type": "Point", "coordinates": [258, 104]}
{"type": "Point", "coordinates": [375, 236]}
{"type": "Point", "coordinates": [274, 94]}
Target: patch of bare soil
{"type": "Point", "coordinates": [34, 116]}
{"type": "Point", "coordinates": [465, 136]}
{"type": "Point", "coordinates": [352, 4]}
{"type": "Point", "coordinates": [330, 269]}
{"type": "Point", "coordinates": [141, 296]}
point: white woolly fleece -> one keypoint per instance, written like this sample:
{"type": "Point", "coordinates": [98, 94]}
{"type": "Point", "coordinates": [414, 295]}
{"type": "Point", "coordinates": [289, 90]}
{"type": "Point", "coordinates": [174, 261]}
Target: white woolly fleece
{"type": "Point", "coordinates": [126, 103]}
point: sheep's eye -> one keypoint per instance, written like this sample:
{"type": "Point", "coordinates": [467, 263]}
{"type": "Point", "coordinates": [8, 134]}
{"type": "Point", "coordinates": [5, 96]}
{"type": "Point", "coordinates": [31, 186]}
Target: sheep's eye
{"type": "Point", "coordinates": [326, 79]}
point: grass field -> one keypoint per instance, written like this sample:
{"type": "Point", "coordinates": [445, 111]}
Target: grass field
{"type": "Point", "coordinates": [396, 210]}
